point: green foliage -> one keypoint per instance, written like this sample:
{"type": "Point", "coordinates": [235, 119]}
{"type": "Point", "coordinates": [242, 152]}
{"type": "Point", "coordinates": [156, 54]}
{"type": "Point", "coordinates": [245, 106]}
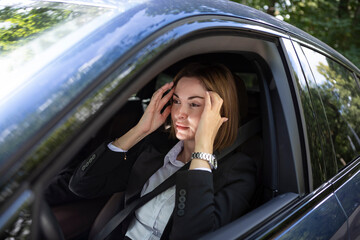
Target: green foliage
{"type": "Point", "coordinates": [19, 25]}
{"type": "Point", "coordinates": [342, 105]}
{"type": "Point", "coordinates": [335, 22]}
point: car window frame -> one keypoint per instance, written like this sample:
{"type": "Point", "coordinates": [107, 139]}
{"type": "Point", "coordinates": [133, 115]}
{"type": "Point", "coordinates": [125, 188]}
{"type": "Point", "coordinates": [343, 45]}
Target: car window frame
{"type": "Point", "coordinates": [135, 81]}
{"type": "Point", "coordinates": [159, 66]}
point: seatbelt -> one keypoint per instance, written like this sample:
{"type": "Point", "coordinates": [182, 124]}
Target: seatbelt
{"type": "Point", "coordinates": [246, 131]}
{"type": "Point", "coordinates": [131, 208]}
{"type": "Point", "coordinates": [269, 133]}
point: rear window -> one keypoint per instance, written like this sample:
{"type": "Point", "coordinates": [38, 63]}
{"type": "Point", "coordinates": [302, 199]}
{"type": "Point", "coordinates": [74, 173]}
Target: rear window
{"type": "Point", "coordinates": [340, 97]}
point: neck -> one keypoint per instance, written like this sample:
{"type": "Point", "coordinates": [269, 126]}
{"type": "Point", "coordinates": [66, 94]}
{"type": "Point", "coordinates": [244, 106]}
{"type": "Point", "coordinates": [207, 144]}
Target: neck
{"type": "Point", "coordinates": [185, 154]}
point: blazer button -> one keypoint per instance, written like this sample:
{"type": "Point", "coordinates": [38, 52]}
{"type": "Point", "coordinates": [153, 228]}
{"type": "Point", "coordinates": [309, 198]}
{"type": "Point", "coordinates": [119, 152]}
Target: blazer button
{"type": "Point", "coordinates": [180, 212]}
{"type": "Point", "coordinates": [181, 206]}
{"type": "Point", "coordinates": [182, 192]}
{"type": "Point", "coordinates": [182, 199]}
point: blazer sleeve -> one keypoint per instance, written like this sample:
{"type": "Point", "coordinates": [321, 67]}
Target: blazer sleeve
{"type": "Point", "coordinates": [104, 172]}
{"type": "Point", "coordinates": [200, 209]}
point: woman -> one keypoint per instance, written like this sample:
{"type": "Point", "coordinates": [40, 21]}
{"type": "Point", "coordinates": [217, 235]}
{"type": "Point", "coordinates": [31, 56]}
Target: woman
{"type": "Point", "coordinates": [204, 115]}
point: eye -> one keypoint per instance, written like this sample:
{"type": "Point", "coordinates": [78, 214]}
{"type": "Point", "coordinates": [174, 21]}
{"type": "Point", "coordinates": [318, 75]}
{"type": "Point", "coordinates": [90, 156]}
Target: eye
{"type": "Point", "coordinates": [194, 105]}
{"type": "Point", "coordinates": [175, 101]}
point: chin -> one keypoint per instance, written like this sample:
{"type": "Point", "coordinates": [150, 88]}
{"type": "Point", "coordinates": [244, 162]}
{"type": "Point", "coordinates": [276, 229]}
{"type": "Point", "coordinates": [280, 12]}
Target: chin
{"type": "Point", "coordinates": [179, 136]}
{"type": "Point", "coordinates": [183, 137]}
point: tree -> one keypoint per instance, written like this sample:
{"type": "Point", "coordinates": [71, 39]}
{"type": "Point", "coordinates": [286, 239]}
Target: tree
{"type": "Point", "coordinates": [20, 25]}
{"type": "Point", "coordinates": [335, 22]}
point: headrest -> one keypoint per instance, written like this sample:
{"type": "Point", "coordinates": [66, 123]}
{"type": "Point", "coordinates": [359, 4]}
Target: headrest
{"type": "Point", "coordinates": [242, 97]}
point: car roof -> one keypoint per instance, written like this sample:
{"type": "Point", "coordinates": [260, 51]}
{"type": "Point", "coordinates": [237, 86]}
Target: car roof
{"type": "Point", "coordinates": [180, 9]}
{"type": "Point", "coordinates": [164, 12]}
{"type": "Point", "coordinates": [170, 11]}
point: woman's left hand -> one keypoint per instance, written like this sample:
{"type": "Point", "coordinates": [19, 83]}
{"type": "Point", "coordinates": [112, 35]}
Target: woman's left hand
{"type": "Point", "coordinates": [209, 123]}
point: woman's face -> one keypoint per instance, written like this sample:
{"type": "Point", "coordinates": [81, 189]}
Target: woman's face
{"type": "Point", "coordinates": [187, 107]}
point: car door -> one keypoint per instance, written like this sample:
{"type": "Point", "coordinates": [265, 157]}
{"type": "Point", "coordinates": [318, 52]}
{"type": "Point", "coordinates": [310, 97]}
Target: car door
{"type": "Point", "coordinates": [317, 212]}
{"type": "Point", "coordinates": [340, 95]}
{"type": "Point", "coordinates": [330, 101]}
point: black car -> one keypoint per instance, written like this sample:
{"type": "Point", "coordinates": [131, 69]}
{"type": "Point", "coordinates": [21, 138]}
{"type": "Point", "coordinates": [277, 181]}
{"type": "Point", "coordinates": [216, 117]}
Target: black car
{"type": "Point", "coordinates": [72, 71]}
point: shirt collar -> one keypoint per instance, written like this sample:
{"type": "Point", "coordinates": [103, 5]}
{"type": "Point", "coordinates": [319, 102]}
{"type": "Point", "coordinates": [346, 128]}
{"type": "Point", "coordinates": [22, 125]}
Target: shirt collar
{"type": "Point", "coordinates": [173, 153]}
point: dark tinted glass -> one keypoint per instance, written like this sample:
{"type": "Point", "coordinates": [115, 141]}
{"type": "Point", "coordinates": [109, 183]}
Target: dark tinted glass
{"type": "Point", "coordinates": [340, 97]}
{"type": "Point", "coordinates": [316, 138]}
{"type": "Point", "coordinates": [322, 155]}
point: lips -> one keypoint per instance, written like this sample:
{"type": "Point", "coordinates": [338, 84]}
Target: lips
{"type": "Point", "coordinates": [181, 127]}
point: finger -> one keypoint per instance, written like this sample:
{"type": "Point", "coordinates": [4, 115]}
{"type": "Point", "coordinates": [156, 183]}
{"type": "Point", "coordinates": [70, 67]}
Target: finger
{"type": "Point", "coordinates": [166, 113]}
{"type": "Point", "coordinates": [159, 93]}
{"type": "Point", "coordinates": [166, 98]}
{"type": "Point", "coordinates": [221, 122]}
{"type": "Point", "coordinates": [166, 87]}
{"type": "Point", "coordinates": [216, 101]}
{"type": "Point", "coordinates": [207, 101]}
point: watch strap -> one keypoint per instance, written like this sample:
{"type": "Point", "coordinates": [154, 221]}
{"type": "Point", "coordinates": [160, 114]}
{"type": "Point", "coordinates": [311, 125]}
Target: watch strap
{"type": "Point", "coordinates": [210, 158]}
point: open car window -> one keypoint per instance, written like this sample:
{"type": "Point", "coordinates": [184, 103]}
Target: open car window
{"type": "Point", "coordinates": [250, 89]}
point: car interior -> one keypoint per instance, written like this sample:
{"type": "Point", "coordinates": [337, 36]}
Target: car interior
{"type": "Point", "coordinates": [261, 131]}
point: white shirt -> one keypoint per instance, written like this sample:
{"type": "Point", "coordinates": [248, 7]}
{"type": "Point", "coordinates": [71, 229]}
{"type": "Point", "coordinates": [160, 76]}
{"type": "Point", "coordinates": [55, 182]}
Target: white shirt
{"type": "Point", "coordinates": [151, 219]}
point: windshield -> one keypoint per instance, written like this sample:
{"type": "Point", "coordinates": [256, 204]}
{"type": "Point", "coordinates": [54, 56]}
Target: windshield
{"type": "Point", "coordinates": [33, 36]}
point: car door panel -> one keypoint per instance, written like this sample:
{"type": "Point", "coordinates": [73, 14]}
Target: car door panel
{"type": "Point", "coordinates": [243, 226]}
{"type": "Point", "coordinates": [316, 216]}
{"type": "Point", "coordinates": [322, 222]}
{"type": "Point", "coordinates": [347, 187]}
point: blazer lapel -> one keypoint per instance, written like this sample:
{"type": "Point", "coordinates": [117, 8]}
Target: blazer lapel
{"type": "Point", "coordinates": [145, 166]}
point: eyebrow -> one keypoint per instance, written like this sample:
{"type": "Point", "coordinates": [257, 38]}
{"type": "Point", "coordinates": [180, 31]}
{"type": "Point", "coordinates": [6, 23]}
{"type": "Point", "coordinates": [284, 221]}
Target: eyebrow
{"type": "Point", "coordinates": [189, 98]}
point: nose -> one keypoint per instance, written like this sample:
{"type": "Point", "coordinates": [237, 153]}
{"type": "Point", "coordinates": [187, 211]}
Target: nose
{"type": "Point", "coordinates": [181, 112]}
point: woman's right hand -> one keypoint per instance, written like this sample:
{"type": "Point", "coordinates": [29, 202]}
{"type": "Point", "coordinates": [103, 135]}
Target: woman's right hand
{"type": "Point", "coordinates": [153, 118]}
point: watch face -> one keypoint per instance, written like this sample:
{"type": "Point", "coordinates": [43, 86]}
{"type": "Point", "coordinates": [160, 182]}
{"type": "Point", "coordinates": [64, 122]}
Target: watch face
{"type": "Point", "coordinates": [213, 163]}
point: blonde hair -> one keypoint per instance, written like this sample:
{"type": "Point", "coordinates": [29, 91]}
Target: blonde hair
{"type": "Point", "coordinates": [217, 78]}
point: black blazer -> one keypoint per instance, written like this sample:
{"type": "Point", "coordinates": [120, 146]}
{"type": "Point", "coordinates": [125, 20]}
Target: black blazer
{"type": "Point", "coordinates": [205, 201]}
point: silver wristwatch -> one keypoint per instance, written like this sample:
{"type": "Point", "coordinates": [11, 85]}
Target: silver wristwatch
{"type": "Point", "coordinates": [210, 158]}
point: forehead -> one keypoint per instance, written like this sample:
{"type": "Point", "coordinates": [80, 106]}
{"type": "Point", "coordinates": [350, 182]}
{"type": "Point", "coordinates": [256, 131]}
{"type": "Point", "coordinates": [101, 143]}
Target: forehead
{"type": "Point", "coordinates": [190, 85]}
